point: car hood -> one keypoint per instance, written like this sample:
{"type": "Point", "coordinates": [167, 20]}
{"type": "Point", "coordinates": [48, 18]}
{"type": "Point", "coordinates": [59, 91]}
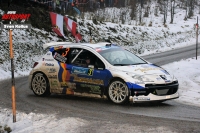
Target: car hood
{"type": "Point", "coordinates": [143, 69]}
{"type": "Point", "coordinates": [146, 71]}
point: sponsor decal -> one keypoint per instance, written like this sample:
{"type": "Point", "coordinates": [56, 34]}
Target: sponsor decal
{"type": "Point", "coordinates": [16, 26]}
{"type": "Point", "coordinates": [83, 71]}
{"type": "Point", "coordinates": [52, 76]}
{"type": "Point", "coordinates": [57, 48]}
{"type": "Point", "coordinates": [141, 98]}
{"type": "Point", "coordinates": [11, 15]}
{"type": "Point", "coordinates": [87, 80]}
{"type": "Point", "coordinates": [51, 70]}
{"type": "Point", "coordinates": [94, 88]}
{"type": "Point", "coordinates": [54, 83]}
{"type": "Point", "coordinates": [49, 64]}
{"type": "Point", "coordinates": [59, 57]}
{"type": "Point", "coordinates": [147, 69]}
{"type": "Point", "coordinates": [43, 59]}
{"type": "Point", "coordinates": [68, 85]}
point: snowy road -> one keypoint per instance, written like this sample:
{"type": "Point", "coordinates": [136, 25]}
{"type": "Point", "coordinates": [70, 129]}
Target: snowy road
{"type": "Point", "coordinates": [107, 117]}
{"type": "Point", "coordinates": [173, 55]}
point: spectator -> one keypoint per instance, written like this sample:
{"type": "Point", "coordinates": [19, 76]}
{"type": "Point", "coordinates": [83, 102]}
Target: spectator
{"type": "Point", "coordinates": [49, 2]}
{"type": "Point", "coordinates": [70, 4]}
{"type": "Point", "coordinates": [62, 5]}
{"type": "Point", "coordinates": [66, 5]}
{"type": "Point", "coordinates": [58, 3]}
{"type": "Point", "coordinates": [126, 3]}
{"type": "Point", "coordinates": [101, 3]}
{"type": "Point", "coordinates": [9, 2]}
{"type": "Point", "coordinates": [97, 4]}
{"type": "Point", "coordinates": [110, 2]}
{"type": "Point", "coordinates": [54, 4]}
{"type": "Point", "coordinates": [121, 3]}
{"type": "Point", "coordinates": [0, 3]}
{"type": "Point", "coordinates": [91, 4]}
{"type": "Point", "coordinates": [116, 3]}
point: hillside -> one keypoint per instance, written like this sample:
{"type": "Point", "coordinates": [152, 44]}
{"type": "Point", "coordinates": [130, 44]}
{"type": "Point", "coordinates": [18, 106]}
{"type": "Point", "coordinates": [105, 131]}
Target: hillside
{"type": "Point", "coordinates": [142, 38]}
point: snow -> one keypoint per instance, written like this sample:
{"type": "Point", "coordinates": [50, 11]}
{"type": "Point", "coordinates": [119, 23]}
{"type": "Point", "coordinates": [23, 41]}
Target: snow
{"type": "Point", "coordinates": [179, 34]}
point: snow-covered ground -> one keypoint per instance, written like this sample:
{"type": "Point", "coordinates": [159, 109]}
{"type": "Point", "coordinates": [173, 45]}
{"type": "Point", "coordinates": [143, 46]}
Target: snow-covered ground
{"type": "Point", "coordinates": [187, 71]}
{"type": "Point", "coordinates": [142, 40]}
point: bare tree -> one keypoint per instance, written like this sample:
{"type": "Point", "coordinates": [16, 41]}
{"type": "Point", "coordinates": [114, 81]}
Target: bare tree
{"type": "Point", "coordinates": [172, 10]}
{"type": "Point", "coordinates": [191, 8]}
{"type": "Point", "coordinates": [141, 7]}
{"type": "Point", "coordinates": [165, 10]}
{"type": "Point", "coordinates": [186, 10]}
{"type": "Point", "coordinates": [133, 4]}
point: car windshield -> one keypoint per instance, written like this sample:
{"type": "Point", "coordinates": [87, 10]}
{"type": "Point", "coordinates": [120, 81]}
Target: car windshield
{"type": "Point", "coordinates": [120, 57]}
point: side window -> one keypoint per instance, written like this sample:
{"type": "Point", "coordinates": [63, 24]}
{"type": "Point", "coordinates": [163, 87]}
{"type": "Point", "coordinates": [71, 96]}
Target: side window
{"type": "Point", "coordinates": [84, 58]}
{"type": "Point", "coordinates": [99, 64]}
{"type": "Point", "coordinates": [87, 59]}
{"type": "Point", "coordinates": [74, 52]}
{"type": "Point", "coordinates": [61, 54]}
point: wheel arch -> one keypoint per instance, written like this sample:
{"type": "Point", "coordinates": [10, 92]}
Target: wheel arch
{"type": "Point", "coordinates": [111, 80]}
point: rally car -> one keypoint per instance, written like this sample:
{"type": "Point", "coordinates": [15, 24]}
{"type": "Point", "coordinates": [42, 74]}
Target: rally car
{"type": "Point", "coordinates": [102, 69]}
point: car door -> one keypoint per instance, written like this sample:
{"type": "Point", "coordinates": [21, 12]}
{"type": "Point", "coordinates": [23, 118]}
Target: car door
{"type": "Point", "coordinates": [90, 78]}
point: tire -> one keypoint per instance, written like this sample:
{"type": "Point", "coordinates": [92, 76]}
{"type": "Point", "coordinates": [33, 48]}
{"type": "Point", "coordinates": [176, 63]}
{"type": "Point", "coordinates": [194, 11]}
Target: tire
{"type": "Point", "coordinates": [118, 92]}
{"type": "Point", "coordinates": [40, 85]}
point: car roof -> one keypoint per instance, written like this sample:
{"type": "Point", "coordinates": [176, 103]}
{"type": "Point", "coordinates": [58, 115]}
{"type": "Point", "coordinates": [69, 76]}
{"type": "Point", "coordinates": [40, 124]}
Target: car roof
{"type": "Point", "coordinates": [65, 44]}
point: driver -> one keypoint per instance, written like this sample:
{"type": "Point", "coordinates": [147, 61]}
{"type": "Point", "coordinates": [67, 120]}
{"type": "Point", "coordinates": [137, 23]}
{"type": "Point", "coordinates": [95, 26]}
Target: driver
{"type": "Point", "coordinates": [87, 61]}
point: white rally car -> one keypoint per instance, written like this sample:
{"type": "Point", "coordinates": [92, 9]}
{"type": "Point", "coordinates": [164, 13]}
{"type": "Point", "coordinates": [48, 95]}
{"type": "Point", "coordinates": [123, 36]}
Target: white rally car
{"type": "Point", "coordinates": [111, 71]}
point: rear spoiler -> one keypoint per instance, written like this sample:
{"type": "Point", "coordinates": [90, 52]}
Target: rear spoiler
{"type": "Point", "coordinates": [47, 45]}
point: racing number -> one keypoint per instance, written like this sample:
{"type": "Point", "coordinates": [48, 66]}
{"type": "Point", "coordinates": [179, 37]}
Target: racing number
{"type": "Point", "coordinates": [90, 72]}
{"type": "Point", "coordinates": [66, 51]}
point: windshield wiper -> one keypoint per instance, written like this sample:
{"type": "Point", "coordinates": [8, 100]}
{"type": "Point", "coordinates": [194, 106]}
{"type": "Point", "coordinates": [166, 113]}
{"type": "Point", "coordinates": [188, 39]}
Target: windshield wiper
{"type": "Point", "coordinates": [119, 64]}
{"type": "Point", "coordinates": [138, 63]}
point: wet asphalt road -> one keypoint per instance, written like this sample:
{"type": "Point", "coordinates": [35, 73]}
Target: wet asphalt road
{"type": "Point", "coordinates": [105, 116]}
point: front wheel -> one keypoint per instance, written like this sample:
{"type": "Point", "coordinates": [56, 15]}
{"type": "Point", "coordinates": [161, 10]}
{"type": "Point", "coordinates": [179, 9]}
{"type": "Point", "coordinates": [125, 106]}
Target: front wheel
{"type": "Point", "coordinates": [40, 85]}
{"type": "Point", "coordinates": [118, 92]}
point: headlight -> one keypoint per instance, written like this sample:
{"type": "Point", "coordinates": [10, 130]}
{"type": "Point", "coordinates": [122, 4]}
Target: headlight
{"type": "Point", "coordinates": [139, 79]}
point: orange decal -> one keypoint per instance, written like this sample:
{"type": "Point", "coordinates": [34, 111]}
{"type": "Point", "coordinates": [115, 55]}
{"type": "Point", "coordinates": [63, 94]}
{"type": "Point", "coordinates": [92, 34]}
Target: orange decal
{"type": "Point", "coordinates": [65, 74]}
{"type": "Point", "coordinates": [67, 50]}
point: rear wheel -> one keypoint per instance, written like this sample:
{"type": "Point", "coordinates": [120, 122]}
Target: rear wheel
{"type": "Point", "coordinates": [40, 85]}
{"type": "Point", "coordinates": [118, 92]}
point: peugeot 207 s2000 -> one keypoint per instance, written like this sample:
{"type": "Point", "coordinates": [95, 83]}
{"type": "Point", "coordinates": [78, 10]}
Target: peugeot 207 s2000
{"type": "Point", "coordinates": [104, 69]}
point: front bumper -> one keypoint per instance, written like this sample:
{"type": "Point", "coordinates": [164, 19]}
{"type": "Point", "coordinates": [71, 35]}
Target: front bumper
{"type": "Point", "coordinates": [152, 97]}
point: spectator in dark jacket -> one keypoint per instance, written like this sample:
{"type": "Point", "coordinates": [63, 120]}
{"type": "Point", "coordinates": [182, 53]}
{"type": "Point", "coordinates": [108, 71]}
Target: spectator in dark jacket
{"type": "Point", "coordinates": [9, 2]}
{"type": "Point", "coordinates": [101, 3]}
{"type": "Point", "coordinates": [0, 3]}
